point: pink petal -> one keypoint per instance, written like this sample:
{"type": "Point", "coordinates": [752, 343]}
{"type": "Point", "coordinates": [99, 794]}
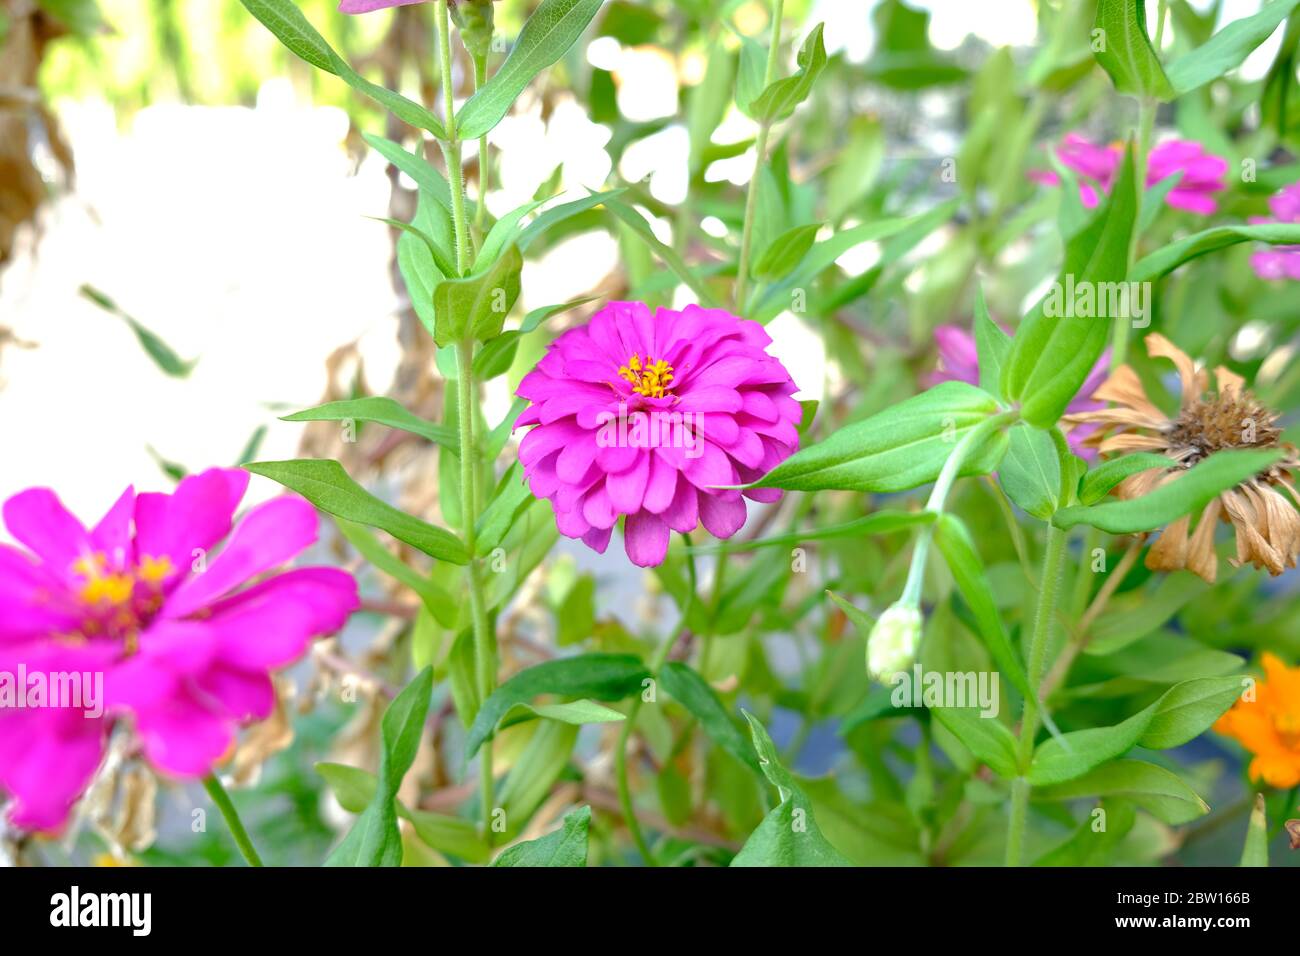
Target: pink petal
{"type": "Point", "coordinates": [645, 538]}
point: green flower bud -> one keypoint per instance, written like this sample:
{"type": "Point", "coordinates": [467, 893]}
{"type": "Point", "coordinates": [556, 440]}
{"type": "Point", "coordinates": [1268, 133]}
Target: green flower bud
{"type": "Point", "coordinates": [473, 18]}
{"type": "Point", "coordinates": [892, 645]}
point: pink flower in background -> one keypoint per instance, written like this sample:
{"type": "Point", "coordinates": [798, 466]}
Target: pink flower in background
{"type": "Point", "coordinates": [1280, 262]}
{"type": "Point", "coordinates": [1202, 172]}
{"type": "Point", "coordinates": [958, 361]}
{"type": "Point", "coordinates": [645, 414]}
{"type": "Point", "coordinates": [183, 639]}
{"type": "Point", "coordinates": [366, 6]}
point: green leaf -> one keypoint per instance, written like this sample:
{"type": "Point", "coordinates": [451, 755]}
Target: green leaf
{"type": "Point", "coordinates": [788, 835]}
{"type": "Point", "coordinates": [440, 603]}
{"type": "Point", "coordinates": [707, 102]}
{"type": "Point", "coordinates": [477, 305]}
{"type": "Point", "coordinates": [1180, 714]}
{"type": "Point", "coordinates": [508, 502]}
{"type": "Point", "coordinates": [553, 27]}
{"type": "Point", "coordinates": [602, 676]}
{"type": "Point", "coordinates": [780, 98]}
{"type": "Point", "coordinates": [162, 354]}
{"type": "Point", "coordinates": [1168, 258]}
{"type": "Point", "coordinates": [382, 411]}
{"type": "Point", "coordinates": [1127, 54]}
{"type": "Point", "coordinates": [958, 550]}
{"type": "Point", "coordinates": [326, 485]}
{"type": "Point", "coordinates": [641, 229]}
{"type": "Point", "coordinates": [374, 839]}
{"type": "Point", "coordinates": [1154, 789]}
{"type": "Point", "coordinates": [987, 738]}
{"type": "Point", "coordinates": [567, 846]}
{"type": "Point", "coordinates": [285, 20]}
{"type": "Point", "coordinates": [878, 522]}
{"type": "Point", "coordinates": [1187, 494]}
{"type": "Point", "coordinates": [1228, 48]}
{"type": "Point", "coordinates": [576, 712]}
{"type": "Point", "coordinates": [504, 231]}
{"type": "Point", "coordinates": [1255, 852]}
{"type": "Point", "coordinates": [992, 345]}
{"type": "Point", "coordinates": [497, 355]}
{"type": "Point", "coordinates": [425, 174]}
{"type": "Point", "coordinates": [441, 257]}
{"type": "Point", "coordinates": [354, 788]}
{"type": "Point", "coordinates": [558, 214]}
{"type": "Point", "coordinates": [1097, 483]}
{"type": "Point", "coordinates": [1030, 473]}
{"type": "Point", "coordinates": [691, 691]}
{"type": "Point", "coordinates": [899, 448]}
{"type": "Point", "coordinates": [785, 251]}
{"type": "Point", "coordinates": [1052, 355]}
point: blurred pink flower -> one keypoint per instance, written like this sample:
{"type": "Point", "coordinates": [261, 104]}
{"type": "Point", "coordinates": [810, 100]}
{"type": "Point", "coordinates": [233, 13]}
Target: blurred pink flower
{"type": "Point", "coordinates": [1202, 172]}
{"type": "Point", "coordinates": [644, 414]}
{"type": "Point", "coordinates": [1280, 262]}
{"type": "Point", "coordinates": [958, 361]}
{"type": "Point", "coordinates": [366, 6]}
{"type": "Point", "coordinates": [183, 642]}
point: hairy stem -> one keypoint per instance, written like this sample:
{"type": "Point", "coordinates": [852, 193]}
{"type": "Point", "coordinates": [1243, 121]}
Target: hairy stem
{"type": "Point", "coordinates": [484, 167]}
{"type": "Point", "coordinates": [222, 799]}
{"type": "Point", "coordinates": [467, 406]}
{"type": "Point", "coordinates": [1053, 561]}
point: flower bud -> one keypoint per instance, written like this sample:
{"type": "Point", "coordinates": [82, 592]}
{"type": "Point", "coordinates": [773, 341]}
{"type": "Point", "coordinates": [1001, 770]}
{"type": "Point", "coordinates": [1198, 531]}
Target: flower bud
{"type": "Point", "coordinates": [473, 18]}
{"type": "Point", "coordinates": [892, 645]}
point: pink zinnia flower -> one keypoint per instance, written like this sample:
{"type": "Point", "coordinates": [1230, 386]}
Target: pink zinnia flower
{"type": "Point", "coordinates": [1280, 262]}
{"type": "Point", "coordinates": [184, 642]}
{"type": "Point", "coordinates": [646, 414]}
{"type": "Point", "coordinates": [1202, 172]}
{"type": "Point", "coordinates": [959, 361]}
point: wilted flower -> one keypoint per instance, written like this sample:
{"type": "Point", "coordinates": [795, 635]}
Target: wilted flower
{"type": "Point", "coordinates": [891, 647]}
{"type": "Point", "coordinates": [646, 414]}
{"type": "Point", "coordinates": [959, 361]}
{"type": "Point", "coordinates": [183, 642]}
{"type": "Point", "coordinates": [1266, 523]}
{"type": "Point", "coordinates": [1202, 172]}
{"type": "Point", "coordinates": [1280, 262]}
{"type": "Point", "coordinates": [1269, 725]}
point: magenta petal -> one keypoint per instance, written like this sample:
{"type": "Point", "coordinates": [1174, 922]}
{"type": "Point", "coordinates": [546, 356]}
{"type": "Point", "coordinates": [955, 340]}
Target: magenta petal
{"type": "Point", "coordinates": [112, 536]}
{"type": "Point", "coordinates": [645, 538]}
{"type": "Point", "coordinates": [627, 488]}
{"type": "Point", "coordinates": [47, 759]}
{"type": "Point", "coordinates": [270, 535]}
{"type": "Point", "coordinates": [37, 519]}
{"type": "Point", "coordinates": [369, 6]}
{"type": "Point", "coordinates": [245, 695]}
{"type": "Point", "coordinates": [722, 518]}
{"type": "Point", "coordinates": [181, 736]}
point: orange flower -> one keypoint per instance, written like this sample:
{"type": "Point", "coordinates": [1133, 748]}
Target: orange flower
{"type": "Point", "coordinates": [1269, 726]}
{"type": "Point", "coordinates": [1259, 509]}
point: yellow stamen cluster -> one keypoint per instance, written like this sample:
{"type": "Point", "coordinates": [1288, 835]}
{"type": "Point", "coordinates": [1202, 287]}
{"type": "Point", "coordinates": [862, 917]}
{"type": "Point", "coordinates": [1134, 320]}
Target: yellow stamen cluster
{"type": "Point", "coordinates": [652, 379]}
{"type": "Point", "coordinates": [115, 609]}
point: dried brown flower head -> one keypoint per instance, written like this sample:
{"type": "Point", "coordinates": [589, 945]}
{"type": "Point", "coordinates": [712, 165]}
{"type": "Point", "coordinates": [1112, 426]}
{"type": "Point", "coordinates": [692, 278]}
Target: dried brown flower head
{"type": "Point", "coordinates": [1262, 510]}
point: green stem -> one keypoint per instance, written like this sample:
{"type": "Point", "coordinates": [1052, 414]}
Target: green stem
{"type": "Point", "coordinates": [625, 736]}
{"type": "Point", "coordinates": [484, 167]}
{"type": "Point", "coordinates": [467, 405]}
{"type": "Point", "coordinates": [451, 146]}
{"type": "Point", "coordinates": [484, 652]}
{"type": "Point", "coordinates": [760, 157]}
{"type": "Point", "coordinates": [222, 799]}
{"type": "Point", "coordinates": [1050, 587]}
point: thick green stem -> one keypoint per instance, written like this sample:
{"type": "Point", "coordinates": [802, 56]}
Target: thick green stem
{"type": "Point", "coordinates": [467, 407]}
{"type": "Point", "coordinates": [484, 167]}
{"type": "Point", "coordinates": [451, 147]}
{"type": "Point", "coordinates": [484, 652]}
{"type": "Point", "coordinates": [222, 799]}
{"type": "Point", "coordinates": [760, 157]}
{"type": "Point", "coordinates": [1050, 587]}
{"type": "Point", "coordinates": [625, 736]}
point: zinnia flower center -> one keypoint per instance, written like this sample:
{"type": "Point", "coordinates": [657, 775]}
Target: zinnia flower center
{"type": "Point", "coordinates": [119, 602]}
{"type": "Point", "coordinates": [1230, 419]}
{"type": "Point", "coordinates": [652, 379]}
